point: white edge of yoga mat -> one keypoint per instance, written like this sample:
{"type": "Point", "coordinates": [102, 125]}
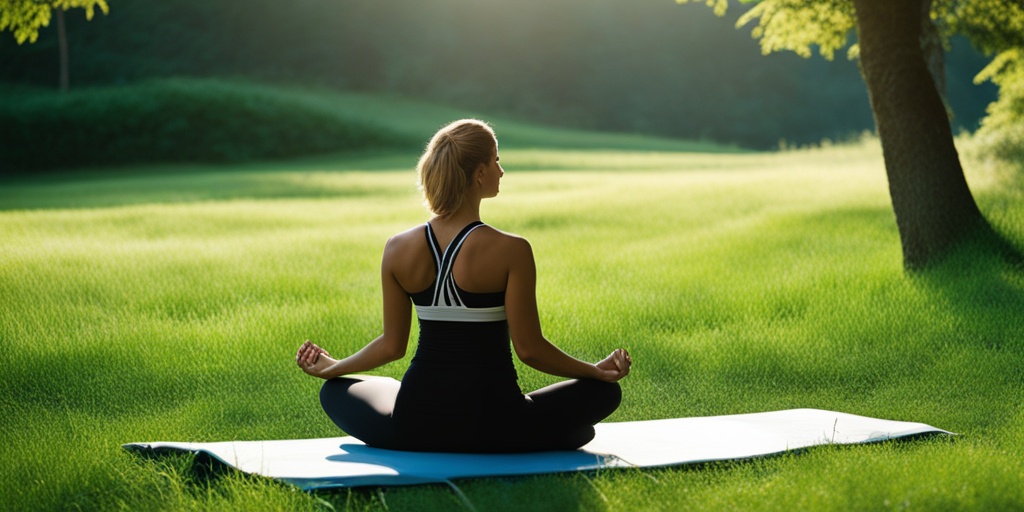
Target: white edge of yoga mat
{"type": "Point", "coordinates": [347, 462]}
{"type": "Point", "coordinates": [677, 441]}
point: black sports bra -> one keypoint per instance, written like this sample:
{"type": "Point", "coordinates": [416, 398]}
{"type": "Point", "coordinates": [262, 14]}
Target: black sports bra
{"type": "Point", "coordinates": [444, 300]}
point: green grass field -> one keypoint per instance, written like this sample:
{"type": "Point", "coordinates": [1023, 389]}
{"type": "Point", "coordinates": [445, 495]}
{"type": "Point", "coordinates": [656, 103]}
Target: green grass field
{"type": "Point", "coordinates": [166, 303]}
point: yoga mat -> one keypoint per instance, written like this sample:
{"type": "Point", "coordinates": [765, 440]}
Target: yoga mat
{"type": "Point", "coordinates": [347, 462]}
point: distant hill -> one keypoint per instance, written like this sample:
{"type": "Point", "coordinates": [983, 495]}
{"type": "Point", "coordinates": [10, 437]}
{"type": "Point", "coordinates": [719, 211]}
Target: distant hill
{"type": "Point", "coordinates": [213, 120]}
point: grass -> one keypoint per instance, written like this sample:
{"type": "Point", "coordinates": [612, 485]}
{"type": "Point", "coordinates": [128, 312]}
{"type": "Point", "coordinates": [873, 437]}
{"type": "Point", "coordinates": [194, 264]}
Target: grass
{"type": "Point", "coordinates": [166, 304]}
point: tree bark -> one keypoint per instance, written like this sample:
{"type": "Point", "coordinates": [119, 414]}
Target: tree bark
{"type": "Point", "coordinates": [933, 205]}
{"type": "Point", "coordinates": [931, 47]}
{"type": "Point", "coordinates": [62, 43]}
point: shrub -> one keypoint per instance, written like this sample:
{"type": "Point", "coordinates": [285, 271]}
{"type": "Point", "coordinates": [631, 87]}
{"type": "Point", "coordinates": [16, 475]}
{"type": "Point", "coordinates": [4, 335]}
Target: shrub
{"type": "Point", "coordinates": [175, 120]}
{"type": "Point", "coordinates": [1002, 132]}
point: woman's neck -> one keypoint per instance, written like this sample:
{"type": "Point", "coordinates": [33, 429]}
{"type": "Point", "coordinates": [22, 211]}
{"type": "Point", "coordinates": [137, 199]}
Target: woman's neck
{"type": "Point", "coordinates": [468, 212]}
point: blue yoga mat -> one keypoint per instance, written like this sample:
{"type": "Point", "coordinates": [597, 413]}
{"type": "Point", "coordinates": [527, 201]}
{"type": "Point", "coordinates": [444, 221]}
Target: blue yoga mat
{"type": "Point", "coordinates": [347, 462]}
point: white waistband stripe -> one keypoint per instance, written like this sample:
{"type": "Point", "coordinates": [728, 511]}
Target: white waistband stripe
{"type": "Point", "coordinates": [452, 314]}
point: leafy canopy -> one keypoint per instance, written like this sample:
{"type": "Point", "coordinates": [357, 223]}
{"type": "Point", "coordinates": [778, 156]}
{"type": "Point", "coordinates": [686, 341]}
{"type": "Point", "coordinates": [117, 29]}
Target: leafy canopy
{"type": "Point", "coordinates": [994, 27]}
{"type": "Point", "coordinates": [796, 25]}
{"type": "Point", "coordinates": [25, 17]}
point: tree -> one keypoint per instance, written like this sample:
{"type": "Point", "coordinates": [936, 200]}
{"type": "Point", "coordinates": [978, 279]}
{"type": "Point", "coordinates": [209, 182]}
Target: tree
{"type": "Point", "coordinates": [899, 48]}
{"type": "Point", "coordinates": [25, 17]}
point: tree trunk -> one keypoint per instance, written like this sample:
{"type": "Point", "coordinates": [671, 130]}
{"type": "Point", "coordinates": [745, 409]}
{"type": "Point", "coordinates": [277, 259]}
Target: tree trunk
{"type": "Point", "coordinates": [933, 205]}
{"type": "Point", "coordinates": [931, 46]}
{"type": "Point", "coordinates": [62, 43]}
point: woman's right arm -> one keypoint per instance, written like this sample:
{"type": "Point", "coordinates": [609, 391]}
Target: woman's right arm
{"type": "Point", "coordinates": [524, 326]}
{"type": "Point", "coordinates": [389, 346]}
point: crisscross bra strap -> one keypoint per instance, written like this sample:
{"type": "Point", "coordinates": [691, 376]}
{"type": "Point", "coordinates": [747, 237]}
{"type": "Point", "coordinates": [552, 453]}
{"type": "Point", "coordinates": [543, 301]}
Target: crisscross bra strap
{"type": "Point", "coordinates": [446, 304]}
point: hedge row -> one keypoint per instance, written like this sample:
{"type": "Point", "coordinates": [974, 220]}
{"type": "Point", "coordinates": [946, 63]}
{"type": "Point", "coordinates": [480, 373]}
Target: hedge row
{"type": "Point", "coordinates": [174, 120]}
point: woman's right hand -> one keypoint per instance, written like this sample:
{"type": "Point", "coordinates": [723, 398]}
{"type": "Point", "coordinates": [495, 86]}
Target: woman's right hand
{"type": "Point", "coordinates": [615, 366]}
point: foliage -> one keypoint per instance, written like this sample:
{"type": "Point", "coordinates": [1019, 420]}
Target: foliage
{"type": "Point", "coordinates": [25, 17]}
{"type": "Point", "coordinates": [1002, 131]}
{"type": "Point", "coordinates": [175, 120]}
{"type": "Point", "coordinates": [992, 25]}
{"type": "Point", "coordinates": [796, 25]}
{"type": "Point", "coordinates": [995, 27]}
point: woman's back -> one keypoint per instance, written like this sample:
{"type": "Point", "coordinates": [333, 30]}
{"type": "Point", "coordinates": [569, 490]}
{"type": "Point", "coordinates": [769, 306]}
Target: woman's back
{"type": "Point", "coordinates": [482, 265]}
{"type": "Point", "coordinates": [461, 385]}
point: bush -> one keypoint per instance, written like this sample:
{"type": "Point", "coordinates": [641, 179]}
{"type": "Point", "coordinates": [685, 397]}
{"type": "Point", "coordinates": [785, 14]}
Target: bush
{"type": "Point", "coordinates": [1002, 132]}
{"type": "Point", "coordinates": [175, 120]}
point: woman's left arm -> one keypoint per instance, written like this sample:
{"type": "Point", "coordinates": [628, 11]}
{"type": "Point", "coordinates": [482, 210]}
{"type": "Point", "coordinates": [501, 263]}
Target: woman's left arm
{"type": "Point", "coordinates": [389, 346]}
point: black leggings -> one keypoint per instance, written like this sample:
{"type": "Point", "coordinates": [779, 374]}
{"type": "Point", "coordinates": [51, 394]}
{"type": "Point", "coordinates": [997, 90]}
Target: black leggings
{"type": "Point", "coordinates": [557, 417]}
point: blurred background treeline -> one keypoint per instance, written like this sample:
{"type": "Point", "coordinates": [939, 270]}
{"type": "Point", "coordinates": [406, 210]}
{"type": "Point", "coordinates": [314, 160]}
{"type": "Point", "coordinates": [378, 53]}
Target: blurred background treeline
{"type": "Point", "coordinates": [637, 66]}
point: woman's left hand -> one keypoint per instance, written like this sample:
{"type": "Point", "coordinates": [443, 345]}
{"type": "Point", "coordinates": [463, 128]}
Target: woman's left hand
{"type": "Point", "coordinates": [313, 360]}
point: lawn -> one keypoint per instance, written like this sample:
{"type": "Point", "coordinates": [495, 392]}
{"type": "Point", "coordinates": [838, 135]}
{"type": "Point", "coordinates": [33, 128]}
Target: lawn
{"type": "Point", "coordinates": [166, 303]}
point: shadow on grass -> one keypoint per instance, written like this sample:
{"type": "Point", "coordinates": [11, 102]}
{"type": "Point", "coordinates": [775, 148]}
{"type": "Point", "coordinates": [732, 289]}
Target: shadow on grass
{"type": "Point", "coordinates": [982, 283]}
{"type": "Point", "coordinates": [198, 468]}
{"type": "Point", "coordinates": [175, 184]}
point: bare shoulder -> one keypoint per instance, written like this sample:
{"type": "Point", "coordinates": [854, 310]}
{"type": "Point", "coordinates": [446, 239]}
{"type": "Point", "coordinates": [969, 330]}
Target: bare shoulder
{"type": "Point", "coordinates": [403, 244]}
{"type": "Point", "coordinates": [411, 235]}
{"type": "Point", "coordinates": [508, 244]}
{"type": "Point", "coordinates": [503, 237]}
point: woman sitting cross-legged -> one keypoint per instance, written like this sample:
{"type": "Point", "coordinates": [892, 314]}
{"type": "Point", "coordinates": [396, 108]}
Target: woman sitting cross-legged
{"type": "Point", "coordinates": [473, 287]}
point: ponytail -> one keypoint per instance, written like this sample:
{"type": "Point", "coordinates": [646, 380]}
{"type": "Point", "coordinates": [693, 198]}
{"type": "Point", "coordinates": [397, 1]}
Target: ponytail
{"type": "Point", "coordinates": [446, 168]}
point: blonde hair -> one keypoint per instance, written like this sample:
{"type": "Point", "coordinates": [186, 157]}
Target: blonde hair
{"type": "Point", "coordinates": [446, 168]}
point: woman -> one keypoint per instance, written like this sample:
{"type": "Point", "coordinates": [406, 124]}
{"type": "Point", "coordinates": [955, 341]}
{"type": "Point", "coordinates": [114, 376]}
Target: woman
{"type": "Point", "coordinates": [472, 287]}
